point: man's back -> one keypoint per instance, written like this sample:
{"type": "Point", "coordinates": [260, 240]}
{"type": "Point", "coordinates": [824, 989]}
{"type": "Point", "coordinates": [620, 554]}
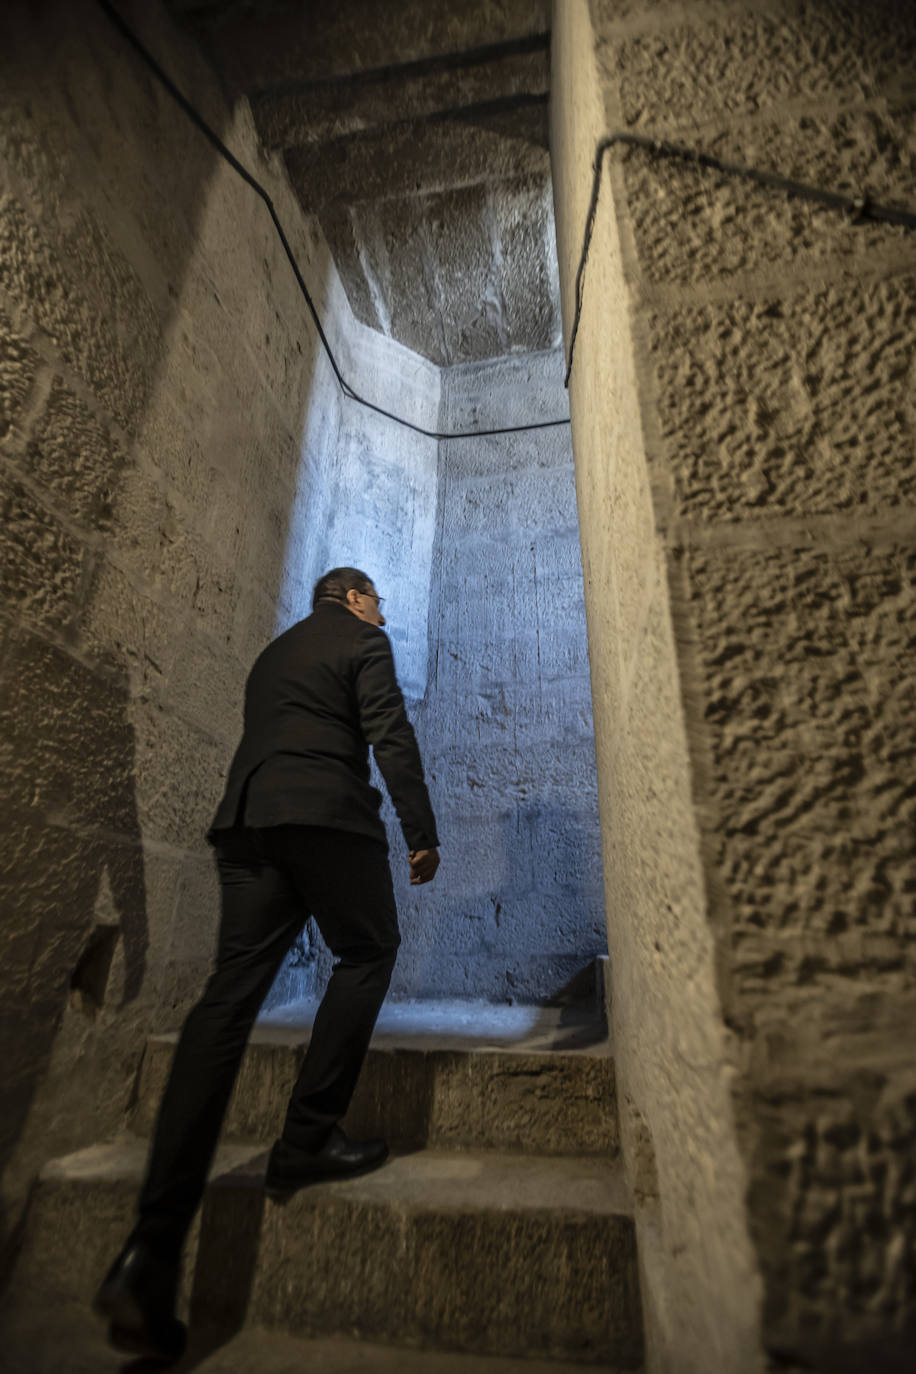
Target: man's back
{"type": "Point", "coordinates": [315, 700]}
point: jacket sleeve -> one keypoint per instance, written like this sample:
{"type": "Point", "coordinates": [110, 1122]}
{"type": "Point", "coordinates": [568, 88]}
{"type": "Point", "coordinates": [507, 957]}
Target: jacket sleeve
{"type": "Point", "coordinates": [385, 725]}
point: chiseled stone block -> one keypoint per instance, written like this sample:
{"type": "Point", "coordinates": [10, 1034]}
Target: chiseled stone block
{"type": "Point", "coordinates": [738, 64]}
{"type": "Point", "coordinates": [693, 227]}
{"type": "Point", "coordinates": [810, 699]}
{"type": "Point", "coordinates": [794, 405]}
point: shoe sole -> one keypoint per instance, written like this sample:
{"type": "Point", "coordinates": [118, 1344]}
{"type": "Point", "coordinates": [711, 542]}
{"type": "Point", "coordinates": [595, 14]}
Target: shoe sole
{"type": "Point", "coordinates": [279, 1191]}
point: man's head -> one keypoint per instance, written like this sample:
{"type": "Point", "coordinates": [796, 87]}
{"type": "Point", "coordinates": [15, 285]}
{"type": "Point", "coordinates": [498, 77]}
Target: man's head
{"type": "Point", "coordinates": [354, 590]}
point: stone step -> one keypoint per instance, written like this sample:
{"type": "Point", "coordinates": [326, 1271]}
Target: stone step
{"type": "Point", "coordinates": [425, 1090]}
{"type": "Point", "coordinates": [480, 1252]}
{"type": "Point", "coordinates": [70, 1340]}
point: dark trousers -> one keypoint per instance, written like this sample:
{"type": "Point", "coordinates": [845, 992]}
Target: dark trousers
{"type": "Point", "coordinates": [271, 880]}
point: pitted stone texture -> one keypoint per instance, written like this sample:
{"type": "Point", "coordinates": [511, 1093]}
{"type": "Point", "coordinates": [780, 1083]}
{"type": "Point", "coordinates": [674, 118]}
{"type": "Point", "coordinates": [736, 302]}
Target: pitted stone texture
{"type": "Point", "coordinates": [783, 406]}
{"type": "Point", "coordinates": [468, 276]}
{"type": "Point", "coordinates": [636, 15]}
{"type": "Point", "coordinates": [361, 257]}
{"type": "Point", "coordinates": [807, 660]}
{"type": "Point", "coordinates": [87, 299]}
{"type": "Point", "coordinates": [124, 629]}
{"type": "Point", "coordinates": [699, 1278]}
{"type": "Point", "coordinates": [834, 1198]}
{"type": "Point", "coordinates": [206, 686]}
{"type": "Point", "coordinates": [742, 63]}
{"type": "Point", "coordinates": [677, 1126]}
{"type": "Point", "coordinates": [75, 454]}
{"type": "Point", "coordinates": [42, 565]}
{"type": "Point", "coordinates": [193, 932]}
{"type": "Point", "coordinates": [692, 226]}
{"type": "Point", "coordinates": [173, 462]}
{"type": "Point", "coordinates": [18, 366]}
{"type": "Point", "coordinates": [796, 776]}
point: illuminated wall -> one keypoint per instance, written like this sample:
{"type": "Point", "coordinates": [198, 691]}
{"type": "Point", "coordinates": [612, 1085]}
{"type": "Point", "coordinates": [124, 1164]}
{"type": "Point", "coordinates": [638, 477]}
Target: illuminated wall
{"type": "Point", "coordinates": [504, 723]}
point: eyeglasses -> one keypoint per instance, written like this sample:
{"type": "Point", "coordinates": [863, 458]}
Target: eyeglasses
{"type": "Point", "coordinates": [375, 597]}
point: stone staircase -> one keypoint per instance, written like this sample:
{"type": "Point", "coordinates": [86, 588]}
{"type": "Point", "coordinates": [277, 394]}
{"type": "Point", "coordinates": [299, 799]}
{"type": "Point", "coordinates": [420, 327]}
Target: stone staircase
{"type": "Point", "coordinates": [497, 1237]}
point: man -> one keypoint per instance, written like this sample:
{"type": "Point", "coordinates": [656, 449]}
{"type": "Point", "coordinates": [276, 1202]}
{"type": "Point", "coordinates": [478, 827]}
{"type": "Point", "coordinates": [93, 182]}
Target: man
{"type": "Point", "coordinates": [297, 832]}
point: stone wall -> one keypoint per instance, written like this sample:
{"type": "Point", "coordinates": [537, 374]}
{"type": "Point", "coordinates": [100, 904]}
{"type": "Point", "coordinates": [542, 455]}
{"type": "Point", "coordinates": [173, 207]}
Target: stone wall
{"type": "Point", "coordinates": [506, 727]}
{"type": "Point", "coordinates": [743, 412]}
{"type": "Point", "coordinates": [168, 428]}
{"type": "Point", "coordinates": [698, 1280]}
{"type": "Point", "coordinates": [503, 714]}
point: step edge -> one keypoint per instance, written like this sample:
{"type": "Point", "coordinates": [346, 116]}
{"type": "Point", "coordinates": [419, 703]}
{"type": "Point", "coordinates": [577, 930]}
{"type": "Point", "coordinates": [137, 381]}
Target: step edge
{"type": "Point", "coordinates": [425, 1045]}
{"type": "Point", "coordinates": [121, 1163]}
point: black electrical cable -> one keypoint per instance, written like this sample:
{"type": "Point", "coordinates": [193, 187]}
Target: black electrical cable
{"type": "Point", "coordinates": [859, 207]}
{"type": "Point", "coordinates": [256, 186]}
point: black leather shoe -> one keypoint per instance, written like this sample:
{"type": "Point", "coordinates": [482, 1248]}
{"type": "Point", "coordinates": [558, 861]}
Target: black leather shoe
{"type": "Point", "coordinates": [339, 1157]}
{"type": "Point", "coordinates": [138, 1298]}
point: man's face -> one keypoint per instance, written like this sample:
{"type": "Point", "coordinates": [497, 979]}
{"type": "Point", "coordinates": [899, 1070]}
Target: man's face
{"type": "Point", "coordinates": [366, 606]}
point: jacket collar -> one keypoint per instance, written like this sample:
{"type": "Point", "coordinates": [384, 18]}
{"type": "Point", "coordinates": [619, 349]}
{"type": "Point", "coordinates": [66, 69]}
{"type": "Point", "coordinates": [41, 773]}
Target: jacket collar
{"type": "Point", "coordinates": [335, 608]}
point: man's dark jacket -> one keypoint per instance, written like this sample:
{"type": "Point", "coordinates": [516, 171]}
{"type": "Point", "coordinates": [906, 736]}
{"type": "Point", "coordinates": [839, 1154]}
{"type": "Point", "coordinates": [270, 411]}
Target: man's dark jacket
{"type": "Point", "coordinates": [316, 699]}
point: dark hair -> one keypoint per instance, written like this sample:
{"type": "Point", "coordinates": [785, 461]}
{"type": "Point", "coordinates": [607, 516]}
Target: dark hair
{"type": "Point", "coordinates": [336, 583]}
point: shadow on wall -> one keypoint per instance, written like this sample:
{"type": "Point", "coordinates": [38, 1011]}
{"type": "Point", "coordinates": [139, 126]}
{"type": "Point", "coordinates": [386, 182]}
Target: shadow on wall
{"type": "Point", "coordinates": [72, 851]}
{"type": "Point", "coordinates": [153, 397]}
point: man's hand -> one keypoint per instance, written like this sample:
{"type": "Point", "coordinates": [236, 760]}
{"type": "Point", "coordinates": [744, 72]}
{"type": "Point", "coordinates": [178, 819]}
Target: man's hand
{"type": "Point", "coordinates": [423, 865]}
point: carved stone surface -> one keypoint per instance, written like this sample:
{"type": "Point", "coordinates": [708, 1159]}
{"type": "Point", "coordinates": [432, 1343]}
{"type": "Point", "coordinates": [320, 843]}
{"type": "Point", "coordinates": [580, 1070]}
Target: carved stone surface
{"type": "Point", "coordinates": [755, 396]}
{"type": "Point", "coordinates": [421, 143]}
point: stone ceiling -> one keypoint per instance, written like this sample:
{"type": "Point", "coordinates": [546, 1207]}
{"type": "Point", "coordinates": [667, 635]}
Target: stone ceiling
{"type": "Point", "coordinates": [417, 133]}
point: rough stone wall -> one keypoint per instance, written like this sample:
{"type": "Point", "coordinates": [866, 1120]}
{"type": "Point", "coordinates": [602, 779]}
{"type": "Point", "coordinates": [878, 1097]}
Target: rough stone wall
{"type": "Point", "coordinates": [699, 1289]}
{"type": "Point", "coordinates": [506, 726]}
{"type": "Point", "coordinates": [772, 396]}
{"type": "Point", "coordinates": [166, 423]}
